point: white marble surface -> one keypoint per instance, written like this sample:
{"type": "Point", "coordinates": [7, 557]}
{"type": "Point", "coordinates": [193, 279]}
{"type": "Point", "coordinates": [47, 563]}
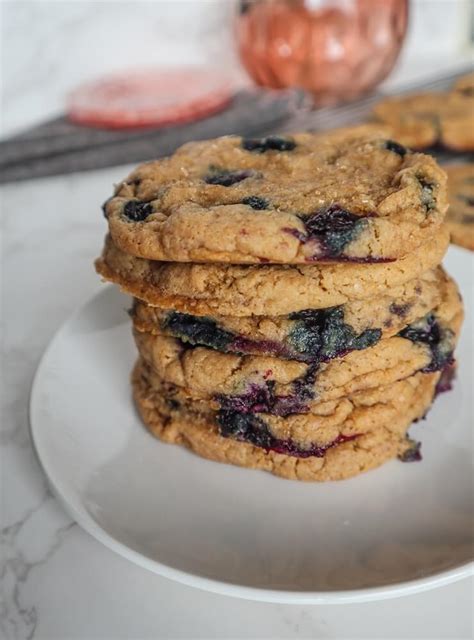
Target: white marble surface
{"type": "Point", "coordinates": [57, 581]}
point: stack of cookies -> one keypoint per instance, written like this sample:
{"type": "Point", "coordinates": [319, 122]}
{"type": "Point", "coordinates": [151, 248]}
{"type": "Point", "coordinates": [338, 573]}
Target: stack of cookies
{"type": "Point", "coordinates": [290, 311]}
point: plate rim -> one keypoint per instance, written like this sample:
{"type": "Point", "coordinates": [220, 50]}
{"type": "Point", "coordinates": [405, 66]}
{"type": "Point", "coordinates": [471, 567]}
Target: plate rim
{"type": "Point", "coordinates": [213, 585]}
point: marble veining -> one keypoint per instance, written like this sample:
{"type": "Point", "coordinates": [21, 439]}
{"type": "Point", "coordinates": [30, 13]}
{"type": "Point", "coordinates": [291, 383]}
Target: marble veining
{"type": "Point", "coordinates": [18, 619]}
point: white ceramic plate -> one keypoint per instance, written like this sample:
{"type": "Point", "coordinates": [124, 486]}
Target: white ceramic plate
{"type": "Point", "coordinates": [399, 529]}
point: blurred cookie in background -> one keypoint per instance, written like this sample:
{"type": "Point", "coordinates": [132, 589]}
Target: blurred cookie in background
{"type": "Point", "coordinates": [465, 84]}
{"type": "Point", "coordinates": [460, 216]}
{"type": "Point", "coordinates": [425, 120]}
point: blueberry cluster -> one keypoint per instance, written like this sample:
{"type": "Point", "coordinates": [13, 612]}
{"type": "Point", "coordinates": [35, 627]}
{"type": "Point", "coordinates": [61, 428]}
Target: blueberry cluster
{"type": "Point", "coordinates": [412, 453]}
{"type": "Point", "coordinates": [197, 330]}
{"type": "Point", "coordinates": [253, 430]}
{"type": "Point", "coordinates": [330, 230]}
{"type": "Point", "coordinates": [256, 203]}
{"type": "Point", "coordinates": [270, 143]}
{"type": "Point", "coordinates": [227, 178]}
{"type": "Point", "coordinates": [315, 335]}
{"type": "Point", "coordinates": [322, 334]}
{"type": "Point", "coordinates": [137, 211]}
{"type": "Point", "coordinates": [263, 398]}
{"type": "Point", "coordinates": [439, 339]}
{"type": "Point", "coordinates": [397, 148]}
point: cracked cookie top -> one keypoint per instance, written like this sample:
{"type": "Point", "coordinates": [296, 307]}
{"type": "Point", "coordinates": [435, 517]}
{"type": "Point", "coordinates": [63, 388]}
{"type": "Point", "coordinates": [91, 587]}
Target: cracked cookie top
{"type": "Point", "coordinates": [280, 199]}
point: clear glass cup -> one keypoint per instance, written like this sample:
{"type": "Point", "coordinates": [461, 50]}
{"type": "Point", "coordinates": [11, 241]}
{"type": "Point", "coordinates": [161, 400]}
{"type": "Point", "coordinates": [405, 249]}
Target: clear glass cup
{"type": "Point", "coordinates": [337, 50]}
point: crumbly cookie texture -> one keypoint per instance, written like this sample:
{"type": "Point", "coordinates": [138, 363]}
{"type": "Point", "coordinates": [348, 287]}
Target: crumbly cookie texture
{"type": "Point", "coordinates": [424, 120]}
{"type": "Point", "coordinates": [253, 384]}
{"type": "Point", "coordinates": [460, 216]}
{"type": "Point", "coordinates": [370, 429]}
{"type": "Point", "coordinates": [311, 335]}
{"type": "Point", "coordinates": [243, 290]}
{"type": "Point", "coordinates": [289, 200]}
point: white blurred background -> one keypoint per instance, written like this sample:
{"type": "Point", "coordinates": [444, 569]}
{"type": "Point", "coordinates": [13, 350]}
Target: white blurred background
{"type": "Point", "coordinates": [49, 47]}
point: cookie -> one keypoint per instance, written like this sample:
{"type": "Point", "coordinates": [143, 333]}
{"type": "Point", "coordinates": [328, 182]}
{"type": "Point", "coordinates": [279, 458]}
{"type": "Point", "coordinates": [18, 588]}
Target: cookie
{"type": "Point", "coordinates": [465, 85]}
{"type": "Point", "coordinates": [288, 200]}
{"type": "Point", "coordinates": [243, 290]}
{"type": "Point", "coordinates": [424, 120]}
{"type": "Point", "coordinates": [327, 422]}
{"type": "Point", "coordinates": [369, 430]}
{"type": "Point", "coordinates": [460, 216]}
{"type": "Point", "coordinates": [255, 384]}
{"type": "Point", "coordinates": [311, 335]}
